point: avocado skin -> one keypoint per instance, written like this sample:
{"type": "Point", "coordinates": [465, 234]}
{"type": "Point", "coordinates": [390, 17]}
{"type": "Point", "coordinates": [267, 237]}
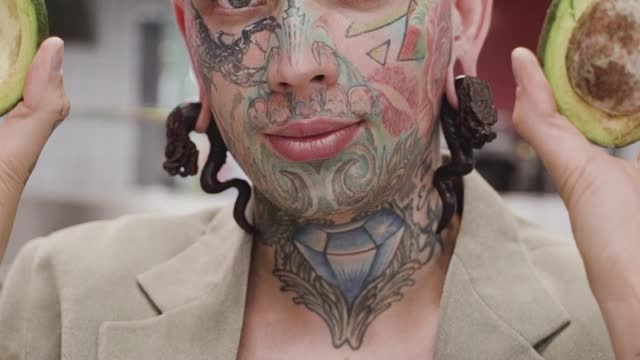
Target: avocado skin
{"type": "Point", "coordinates": [42, 18]}
{"type": "Point", "coordinates": [591, 125]}
{"type": "Point", "coordinates": [552, 14]}
{"type": "Point", "coordinates": [42, 30]}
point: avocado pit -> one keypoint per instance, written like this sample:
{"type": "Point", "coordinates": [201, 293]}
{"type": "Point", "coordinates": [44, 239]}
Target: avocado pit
{"type": "Point", "coordinates": [603, 59]}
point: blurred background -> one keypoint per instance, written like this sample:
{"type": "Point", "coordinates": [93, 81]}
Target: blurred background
{"type": "Point", "coordinates": [126, 67]}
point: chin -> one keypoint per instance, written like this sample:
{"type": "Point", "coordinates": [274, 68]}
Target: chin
{"type": "Point", "coordinates": [343, 183]}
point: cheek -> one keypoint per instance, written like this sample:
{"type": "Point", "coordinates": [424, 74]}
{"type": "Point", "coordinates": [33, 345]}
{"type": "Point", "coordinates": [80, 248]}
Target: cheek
{"type": "Point", "coordinates": [438, 56]}
{"type": "Point", "coordinates": [256, 53]}
{"type": "Point", "coordinates": [229, 112]}
{"type": "Point", "coordinates": [413, 40]}
{"type": "Point", "coordinates": [397, 95]}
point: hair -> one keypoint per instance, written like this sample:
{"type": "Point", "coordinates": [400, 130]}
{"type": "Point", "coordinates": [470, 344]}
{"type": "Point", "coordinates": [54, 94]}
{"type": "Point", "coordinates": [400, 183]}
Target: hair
{"type": "Point", "coordinates": [465, 129]}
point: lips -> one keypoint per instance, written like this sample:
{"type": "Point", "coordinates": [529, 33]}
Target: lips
{"type": "Point", "coordinates": [315, 139]}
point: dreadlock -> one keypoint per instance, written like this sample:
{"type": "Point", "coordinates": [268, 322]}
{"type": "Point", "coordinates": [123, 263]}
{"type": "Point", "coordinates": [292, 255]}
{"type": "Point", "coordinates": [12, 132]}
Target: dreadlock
{"type": "Point", "coordinates": [182, 159]}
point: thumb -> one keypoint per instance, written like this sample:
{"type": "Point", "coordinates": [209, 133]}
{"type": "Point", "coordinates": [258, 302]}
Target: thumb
{"type": "Point", "coordinates": [44, 86]}
{"type": "Point", "coordinates": [562, 148]}
{"type": "Point", "coordinates": [44, 105]}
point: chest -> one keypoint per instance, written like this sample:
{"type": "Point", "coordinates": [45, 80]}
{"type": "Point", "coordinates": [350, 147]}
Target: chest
{"type": "Point", "coordinates": [310, 351]}
{"type": "Point", "coordinates": [306, 337]}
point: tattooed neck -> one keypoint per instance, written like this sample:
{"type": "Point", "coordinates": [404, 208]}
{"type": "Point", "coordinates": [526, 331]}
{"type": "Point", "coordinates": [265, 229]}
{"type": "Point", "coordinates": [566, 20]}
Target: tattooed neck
{"type": "Point", "coordinates": [345, 235]}
{"type": "Point", "coordinates": [349, 272]}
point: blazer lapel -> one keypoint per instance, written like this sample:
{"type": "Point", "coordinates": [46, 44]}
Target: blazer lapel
{"type": "Point", "coordinates": [200, 297]}
{"type": "Point", "coordinates": [493, 307]}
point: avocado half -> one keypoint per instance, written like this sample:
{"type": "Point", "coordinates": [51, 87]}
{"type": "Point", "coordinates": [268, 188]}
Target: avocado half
{"type": "Point", "coordinates": [590, 52]}
{"type": "Point", "coordinates": [24, 26]}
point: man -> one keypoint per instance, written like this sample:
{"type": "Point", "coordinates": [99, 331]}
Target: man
{"type": "Point", "coordinates": [331, 108]}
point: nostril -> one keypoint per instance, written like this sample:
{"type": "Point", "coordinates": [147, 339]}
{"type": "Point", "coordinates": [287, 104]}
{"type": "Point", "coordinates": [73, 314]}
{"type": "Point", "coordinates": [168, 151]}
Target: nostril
{"type": "Point", "coordinates": [318, 78]}
{"type": "Point", "coordinates": [284, 86]}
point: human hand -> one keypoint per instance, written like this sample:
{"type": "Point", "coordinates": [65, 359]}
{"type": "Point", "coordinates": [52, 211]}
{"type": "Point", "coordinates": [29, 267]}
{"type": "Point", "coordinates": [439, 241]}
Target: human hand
{"type": "Point", "coordinates": [26, 129]}
{"type": "Point", "coordinates": [602, 194]}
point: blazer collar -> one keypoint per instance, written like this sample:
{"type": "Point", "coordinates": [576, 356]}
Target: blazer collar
{"type": "Point", "coordinates": [206, 266]}
{"type": "Point", "coordinates": [493, 302]}
{"type": "Point", "coordinates": [200, 292]}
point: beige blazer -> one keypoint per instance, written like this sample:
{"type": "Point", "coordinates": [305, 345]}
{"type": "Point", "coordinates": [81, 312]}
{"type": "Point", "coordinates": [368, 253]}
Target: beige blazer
{"type": "Point", "coordinates": [168, 288]}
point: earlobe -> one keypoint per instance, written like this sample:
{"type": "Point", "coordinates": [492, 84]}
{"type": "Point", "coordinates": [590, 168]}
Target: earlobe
{"type": "Point", "coordinates": [471, 20]}
{"type": "Point", "coordinates": [204, 119]}
{"type": "Point", "coordinates": [450, 91]}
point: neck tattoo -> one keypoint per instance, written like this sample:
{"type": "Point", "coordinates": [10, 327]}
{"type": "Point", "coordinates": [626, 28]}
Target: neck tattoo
{"type": "Point", "coordinates": [349, 274]}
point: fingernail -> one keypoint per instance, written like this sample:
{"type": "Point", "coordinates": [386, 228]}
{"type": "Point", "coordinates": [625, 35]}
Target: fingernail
{"type": "Point", "coordinates": [56, 60]}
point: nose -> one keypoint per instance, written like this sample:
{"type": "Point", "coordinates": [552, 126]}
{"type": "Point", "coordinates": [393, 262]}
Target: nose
{"type": "Point", "coordinates": [300, 73]}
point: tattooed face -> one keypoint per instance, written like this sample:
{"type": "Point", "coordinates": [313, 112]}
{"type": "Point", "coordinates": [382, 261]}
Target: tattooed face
{"type": "Point", "coordinates": [317, 98]}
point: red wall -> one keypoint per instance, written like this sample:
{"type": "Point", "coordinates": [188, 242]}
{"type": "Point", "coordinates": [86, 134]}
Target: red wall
{"type": "Point", "coordinates": [515, 23]}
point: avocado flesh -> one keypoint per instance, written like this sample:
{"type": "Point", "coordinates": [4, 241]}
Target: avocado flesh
{"type": "Point", "coordinates": [23, 27]}
{"type": "Point", "coordinates": [603, 125]}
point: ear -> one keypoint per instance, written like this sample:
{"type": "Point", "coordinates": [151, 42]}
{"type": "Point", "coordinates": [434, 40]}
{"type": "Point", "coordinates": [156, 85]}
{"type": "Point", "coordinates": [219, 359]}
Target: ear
{"type": "Point", "coordinates": [178, 7]}
{"type": "Point", "coordinates": [471, 20]}
{"type": "Point", "coordinates": [205, 114]}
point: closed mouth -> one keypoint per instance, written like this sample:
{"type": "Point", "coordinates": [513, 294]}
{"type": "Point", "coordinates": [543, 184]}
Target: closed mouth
{"type": "Point", "coordinates": [314, 140]}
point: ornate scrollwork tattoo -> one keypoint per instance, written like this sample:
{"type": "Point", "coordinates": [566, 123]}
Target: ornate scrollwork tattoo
{"type": "Point", "coordinates": [350, 274]}
{"type": "Point", "coordinates": [181, 153]}
{"type": "Point", "coordinates": [219, 54]}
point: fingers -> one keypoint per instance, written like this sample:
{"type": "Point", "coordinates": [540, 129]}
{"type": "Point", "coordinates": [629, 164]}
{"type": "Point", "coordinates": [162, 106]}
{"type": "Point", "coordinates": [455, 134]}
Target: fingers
{"type": "Point", "coordinates": [563, 149]}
